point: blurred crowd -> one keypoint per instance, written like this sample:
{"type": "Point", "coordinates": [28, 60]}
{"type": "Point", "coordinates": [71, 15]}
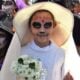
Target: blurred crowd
{"type": "Point", "coordinates": [8, 9]}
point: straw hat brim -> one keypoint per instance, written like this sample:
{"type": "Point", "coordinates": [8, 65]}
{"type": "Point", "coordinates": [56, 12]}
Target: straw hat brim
{"type": "Point", "coordinates": [63, 17]}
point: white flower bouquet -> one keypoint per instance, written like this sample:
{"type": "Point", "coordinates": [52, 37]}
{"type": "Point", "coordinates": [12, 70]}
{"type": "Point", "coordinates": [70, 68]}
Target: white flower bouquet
{"type": "Point", "coordinates": [28, 68]}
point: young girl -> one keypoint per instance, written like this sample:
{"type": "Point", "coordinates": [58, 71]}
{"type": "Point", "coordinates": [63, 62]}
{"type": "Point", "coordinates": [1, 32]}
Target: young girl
{"type": "Point", "coordinates": [41, 30]}
{"type": "Point", "coordinates": [41, 25]}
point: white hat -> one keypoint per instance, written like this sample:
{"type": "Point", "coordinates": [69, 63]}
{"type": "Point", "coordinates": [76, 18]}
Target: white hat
{"type": "Point", "coordinates": [63, 17]}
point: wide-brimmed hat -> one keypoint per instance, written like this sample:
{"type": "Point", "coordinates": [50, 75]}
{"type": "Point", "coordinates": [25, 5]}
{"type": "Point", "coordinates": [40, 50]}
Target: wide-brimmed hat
{"type": "Point", "coordinates": [63, 17]}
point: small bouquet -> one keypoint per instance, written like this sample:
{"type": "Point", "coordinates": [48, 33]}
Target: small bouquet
{"type": "Point", "coordinates": [28, 68]}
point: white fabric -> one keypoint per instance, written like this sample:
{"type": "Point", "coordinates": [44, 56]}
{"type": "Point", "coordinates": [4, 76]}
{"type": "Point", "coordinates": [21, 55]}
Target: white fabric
{"type": "Point", "coordinates": [51, 56]}
{"type": "Point", "coordinates": [12, 54]}
{"type": "Point", "coordinates": [72, 59]}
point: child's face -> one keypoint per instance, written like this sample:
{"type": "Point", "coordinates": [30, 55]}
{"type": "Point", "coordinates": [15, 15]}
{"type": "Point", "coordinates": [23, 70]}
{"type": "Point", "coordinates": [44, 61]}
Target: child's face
{"type": "Point", "coordinates": [42, 27]}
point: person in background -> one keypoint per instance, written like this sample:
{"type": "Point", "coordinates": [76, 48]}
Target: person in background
{"type": "Point", "coordinates": [10, 9]}
{"type": "Point", "coordinates": [76, 30]}
{"type": "Point", "coordinates": [5, 37]}
{"type": "Point", "coordinates": [1, 2]}
{"type": "Point", "coordinates": [21, 4]}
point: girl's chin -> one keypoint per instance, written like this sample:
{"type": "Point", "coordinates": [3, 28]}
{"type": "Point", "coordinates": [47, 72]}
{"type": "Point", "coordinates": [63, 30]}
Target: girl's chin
{"type": "Point", "coordinates": [43, 41]}
{"type": "Point", "coordinates": [43, 38]}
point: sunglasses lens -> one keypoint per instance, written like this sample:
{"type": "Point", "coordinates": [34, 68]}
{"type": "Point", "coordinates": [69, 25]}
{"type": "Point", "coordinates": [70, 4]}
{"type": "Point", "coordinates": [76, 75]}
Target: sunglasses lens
{"type": "Point", "coordinates": [36, 25]}
{"type": "Point", "coordinates": [48, 25]}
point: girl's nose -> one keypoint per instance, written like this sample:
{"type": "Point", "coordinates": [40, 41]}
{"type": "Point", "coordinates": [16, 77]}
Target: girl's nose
{"type": "Point", "coordinates": [42, 29]}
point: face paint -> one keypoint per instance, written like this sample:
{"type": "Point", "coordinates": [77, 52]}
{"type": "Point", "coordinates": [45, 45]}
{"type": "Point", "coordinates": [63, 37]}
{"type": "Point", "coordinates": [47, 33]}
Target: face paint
{"type": "Point", "coordinates": [42, 18]}
{"type": "Point", "coordinates": [46, 25]}
{"type": "Point", "coordinates": [41, 27]}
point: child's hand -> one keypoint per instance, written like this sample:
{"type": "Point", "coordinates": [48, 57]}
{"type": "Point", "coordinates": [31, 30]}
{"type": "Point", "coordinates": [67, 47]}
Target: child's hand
{"type": "Point", "coordinates": [68, 77]}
